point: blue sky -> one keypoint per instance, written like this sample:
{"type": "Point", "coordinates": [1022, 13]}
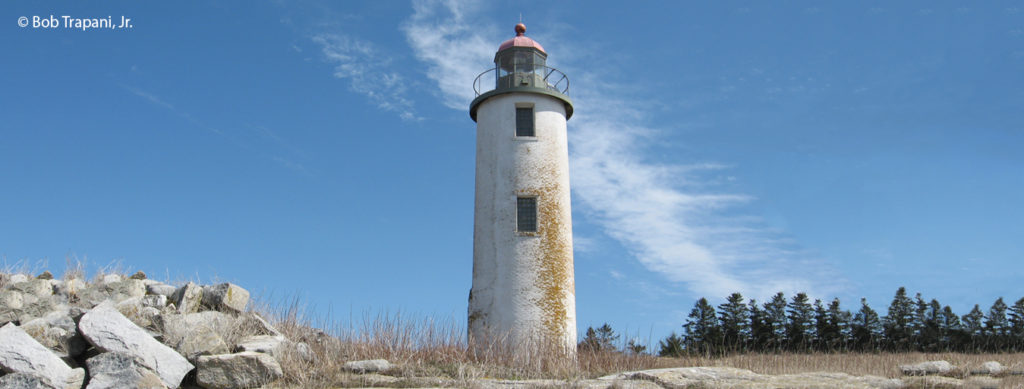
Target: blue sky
{"type": "Point", "coordinates": [323, 149]}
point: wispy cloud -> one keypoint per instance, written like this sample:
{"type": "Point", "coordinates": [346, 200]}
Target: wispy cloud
{"type": "Point", "coordinates": [670, 217]}
{"type": "Point", "coordinates": [367, 70]}
{"type": "Point", "coordinates": [452, 48]}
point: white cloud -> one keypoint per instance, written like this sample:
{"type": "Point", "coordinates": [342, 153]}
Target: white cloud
{"type": "Point", "coordinates": [454, 50]}
{"type": "Point", "coordinates": [669, 217]}
{"type": "Point", "coordinates": [367, 70]}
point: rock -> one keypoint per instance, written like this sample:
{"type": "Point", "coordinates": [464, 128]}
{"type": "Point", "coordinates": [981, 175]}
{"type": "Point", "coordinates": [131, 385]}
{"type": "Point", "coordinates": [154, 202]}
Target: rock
{"type": "Point", "coordinates": [201, 341]}
{"type": "Point", "coordinates": [4, 279]}
{"type": "Point", "coordinates": [24, 381]}
{"type": "Point", "coordinates": [157, 301]}
{"type": "Point", "coordinates": [139, 275]}
{"type": "Point", "coordinates": [17, 278]}
{"type": "Point", "coordinates": [241, 370]}
{"type": "Point", "coordinates": [930, 367]}
{"type": "Point", "coordinates": [46, 275]}
{"type": "Point", "coordinates": [990, 367]}
{"type": "Point", "coordinates": [176, 327]}
{"type": "Point", "coordinates": [20, 353]}
{"type": "Point", "coordinates": [226, 297]}
{"type": "Point", "coordinates": [38, 288]}
{"type": "Point", "coordinates": [109, 331]}
{"type": "Point", "coordinates": [119, 370]}
{"type": "Point", "coordinates": [367, 366]}
{"type": "Point", "coordinates": [134, 310]}
{"type": "Point", "coordinates": [11, 299]}
{"type": "Point", "coordinates": [122, 290]}
{"type": "Point", "coordinates": [267, 344]}
{"type": "Point", "coordinates": [111, 278]}
{"type": "Point", "coordinates": [188, 298]}
{"type": "Point", "coordinates": [160, 289]}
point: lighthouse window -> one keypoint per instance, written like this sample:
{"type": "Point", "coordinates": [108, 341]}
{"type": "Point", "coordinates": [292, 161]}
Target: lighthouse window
{"type": "Point", "coordinates": [526, 214]}
{"type": "Point", "coordinates": [524, 121]}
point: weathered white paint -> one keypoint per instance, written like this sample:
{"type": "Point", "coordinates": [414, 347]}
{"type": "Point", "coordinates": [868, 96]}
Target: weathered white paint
{"type": "Point", "coordinates": [523, 288]}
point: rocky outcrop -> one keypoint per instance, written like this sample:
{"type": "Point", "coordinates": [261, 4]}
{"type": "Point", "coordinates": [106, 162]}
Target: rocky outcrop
{"type": "Point", "coordinates": [132, 332]}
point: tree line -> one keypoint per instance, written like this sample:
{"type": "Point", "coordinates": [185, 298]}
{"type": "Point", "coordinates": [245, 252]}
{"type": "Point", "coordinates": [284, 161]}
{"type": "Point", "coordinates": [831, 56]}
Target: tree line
{"type": "Point", "coordinates": [798, 325]}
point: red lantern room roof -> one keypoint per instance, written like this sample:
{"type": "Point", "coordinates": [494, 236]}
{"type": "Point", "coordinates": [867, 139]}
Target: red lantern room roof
{"type": "Point", "coordinates": [521, 40]}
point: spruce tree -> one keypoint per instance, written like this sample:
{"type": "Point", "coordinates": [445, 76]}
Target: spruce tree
{"type": "Point", "coordinates": [821, 326]}
{"type": "Point", "coordinates": [837, 330]}
{"type": "Point", "coordinates": [735, 324]}
{"type": "Point", "coordinates": [703, 334]}
{"type": "Point", "coordinates": [775, 321]}
{"type": "Point", "coordinates": [866, 328]}
{"type": "Point", "coordinates": [917, 326]}
{"type": "Point", "coordinates": [974, 328]}
{"type": "Point", "coordinates": [897, 324]}
{"type": "Point", "coordinates": [799, 323]}
{"type": "Point", "coordinates": [954, 338]}
{"type": "Point", "coordinates": [672, 346]}
{"type": "Point", "coordinates": [931, 339]}
{"type": "Point", "coordinates": [996, 326]}
{"type": "Point", "coordinates": [760, 332]}
{"type": "Point", "coordinates": [1016, 323]}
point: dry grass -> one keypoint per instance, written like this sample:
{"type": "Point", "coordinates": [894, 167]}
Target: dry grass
{"type": "Point", "coordinates": [424, 350]}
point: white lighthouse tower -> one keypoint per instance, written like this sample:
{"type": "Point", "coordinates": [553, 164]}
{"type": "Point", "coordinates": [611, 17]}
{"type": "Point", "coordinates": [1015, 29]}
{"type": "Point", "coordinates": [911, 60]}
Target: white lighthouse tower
{"type": "Point", "coordinates": [523, 291]}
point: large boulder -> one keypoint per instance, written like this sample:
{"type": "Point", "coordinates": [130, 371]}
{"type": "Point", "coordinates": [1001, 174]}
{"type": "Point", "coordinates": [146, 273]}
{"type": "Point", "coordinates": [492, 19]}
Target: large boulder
{"type": "Point", "coordinates": [20, 353]}
{"type": "Point", "coordinates": [176, 327]}
{"type": "Point", "coordinates": [226, 297]}
{"type": "Point", "coordinates": [929, 367]}
{"type": "Point", "coordinates": [160, 289]}
{"type": "Point", "coordinates": [241, 370]}
{"type": "Point", "coordinates": [35, 287]}
{"type": "Point", "coordinates": [367, 366]}
{"type": "Point", "coordinates": [109, 331]}
{"type": "Point", "coordinates": [202, 341]}
{"type": "Point", "coordinates": [188, 298]}
{"type": "Point", "coordinates": [25, 381]}
{"type": "Point", "coordinates": [119, 370]}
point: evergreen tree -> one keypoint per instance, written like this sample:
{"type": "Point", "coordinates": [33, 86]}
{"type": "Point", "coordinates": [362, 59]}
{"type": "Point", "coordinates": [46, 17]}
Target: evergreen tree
{"type": "Point", "coordinates": [917, 325]}
{"type": "Point", "coordinates": [866, 328]}
{"type": "Point", "coordinates": [931, 339]}
{"type": "Point", "coordinates": [897, 324]}
{"type": "Point", "coordinates": [954, 338]}
{"type": "Point", "coordinates": [602, 339]}
{"type": "Point", "coordinates": [837, 328]}
{"type": "Point", "coordinates": [735, 323]}
{"type": "Point", "coordinates": [996, 326]}
{"type": "Point", "coordinates": [634, 347]}
{"type": "Point", "coordinates": [821, 326]}
{"type": "Point", "coordinates": [703, 334]}
{"type": "Point", "coordinates": [775, 321]}
{"type": "Point", "coordinates": [972, 326]}
{"type": "Point", "coordinates": [1016, 323]}
{"type": "Point", "coordinates": [672, 346]}
{"type": "Point", "coordinates": [799, 323]}
{"type": "Point", "coordinates": [760, 332]}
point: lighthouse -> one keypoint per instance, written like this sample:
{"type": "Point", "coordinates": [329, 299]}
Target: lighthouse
{"type": "Point", "coordinates": [523, 292]}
